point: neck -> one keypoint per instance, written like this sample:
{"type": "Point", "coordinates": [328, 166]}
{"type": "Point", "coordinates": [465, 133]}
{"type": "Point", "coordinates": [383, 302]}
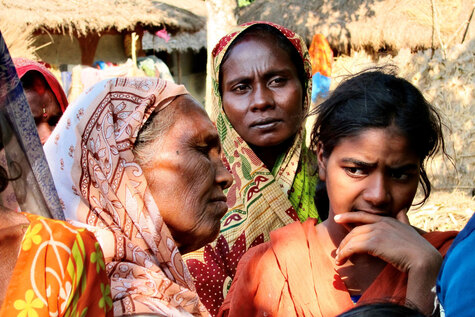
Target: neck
{"type": "Point", "coordinates": [360, 270]}
{"type": "Point", "coordinates": [269, 154]}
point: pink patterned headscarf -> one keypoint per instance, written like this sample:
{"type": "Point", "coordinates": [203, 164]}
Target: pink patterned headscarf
{"type": "Point", "coordinates": [104, 189]}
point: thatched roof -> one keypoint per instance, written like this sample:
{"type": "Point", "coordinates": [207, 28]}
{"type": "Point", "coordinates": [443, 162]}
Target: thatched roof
{"type": "Point", "coordinates": [375, 24]}
{"type": "Point", "coordinates": [84, 16]}
{"type": "Point", "coordinates": [181, 41]}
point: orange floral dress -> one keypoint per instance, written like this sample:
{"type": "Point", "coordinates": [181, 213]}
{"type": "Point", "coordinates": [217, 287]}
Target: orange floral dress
{"type": "Point", "coordinates": [60, 271]}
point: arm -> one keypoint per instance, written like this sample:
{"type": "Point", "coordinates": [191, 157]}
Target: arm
{"type": "Point", "coordinates": [398, 244]}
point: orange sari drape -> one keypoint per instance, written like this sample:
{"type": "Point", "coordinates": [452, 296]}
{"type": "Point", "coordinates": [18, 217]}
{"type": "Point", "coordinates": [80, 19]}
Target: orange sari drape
{"type": "Point", "coordinates": [290, 276]}
{"type": "Point", "coordinates": [60, 271]}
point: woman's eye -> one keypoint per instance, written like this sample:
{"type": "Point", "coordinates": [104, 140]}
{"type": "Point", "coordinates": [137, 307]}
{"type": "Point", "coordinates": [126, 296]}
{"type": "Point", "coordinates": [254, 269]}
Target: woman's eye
{"type": "Point", "coordinates": [278, 81]}
{"type": "Point", "coordinates": [400, 176]}
{"type": "Point", "coordinates": [354, 171]}
{"type": "Point", "coordinates": [204, 149]}
{"type": "Point", "coordinates": [240, 88]}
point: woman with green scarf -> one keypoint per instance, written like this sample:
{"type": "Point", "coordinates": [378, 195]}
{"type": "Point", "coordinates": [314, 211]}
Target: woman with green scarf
{"type": "Point", "coordinates": [262, 85]}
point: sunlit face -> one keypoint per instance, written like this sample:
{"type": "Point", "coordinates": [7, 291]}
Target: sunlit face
{"type": "Point", "coordinates": [374, 171]}
{"type": "Point", "coordinates": [45, 110]}
{"type": "Point", "coordinates": [187, 178]}
{"type": "Point", "coordinates": [261, 92]}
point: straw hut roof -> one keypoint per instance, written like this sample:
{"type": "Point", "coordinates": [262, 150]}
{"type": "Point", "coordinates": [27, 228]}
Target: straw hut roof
{"type": "Point", "coordinates": [182, 40]}
{"type": "Point", "coordinates": [86, 16]}
{"type": "Point", "coordinates": [373, 24]}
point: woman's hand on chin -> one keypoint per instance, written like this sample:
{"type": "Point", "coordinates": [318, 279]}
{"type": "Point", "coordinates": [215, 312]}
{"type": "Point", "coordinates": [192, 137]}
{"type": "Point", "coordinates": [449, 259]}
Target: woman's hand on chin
{"type": "Point", "coordinates": [398, 244]}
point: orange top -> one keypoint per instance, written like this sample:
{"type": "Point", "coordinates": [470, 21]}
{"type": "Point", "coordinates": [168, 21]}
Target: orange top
{"type": "Point", "coordinates": [291, 276]}
{"type": "Point", "coordinates": [59, 272]}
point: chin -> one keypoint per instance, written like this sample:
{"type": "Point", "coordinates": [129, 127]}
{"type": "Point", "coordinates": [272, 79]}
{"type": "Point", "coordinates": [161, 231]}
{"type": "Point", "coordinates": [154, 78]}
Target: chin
{"type": "Point", "coordinates": [202, 241]}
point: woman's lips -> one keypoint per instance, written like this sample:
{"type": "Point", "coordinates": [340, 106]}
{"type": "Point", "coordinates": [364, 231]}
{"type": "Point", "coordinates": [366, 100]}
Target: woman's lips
{"type": "Point", "coordinates": [265, 123]}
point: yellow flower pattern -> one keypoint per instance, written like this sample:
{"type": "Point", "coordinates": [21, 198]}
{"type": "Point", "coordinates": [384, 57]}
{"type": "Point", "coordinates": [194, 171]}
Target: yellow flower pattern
{"type": "Point", "coordinates": [55, 274]}
{"type": "Point", "coordinates": [32, 236]}
{"type": "Point", "coordinates": [29, 305]}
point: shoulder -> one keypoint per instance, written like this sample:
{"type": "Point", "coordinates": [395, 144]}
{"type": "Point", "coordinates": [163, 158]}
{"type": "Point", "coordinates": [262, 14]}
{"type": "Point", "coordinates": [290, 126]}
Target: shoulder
{"type": "Point", "coordinates": [293, 233]}
{"type": "Point", "coordinates": [441, 240]}
{"type": "Point", "coordinates": [456, 278]}
{"type": "Point", "coordinates": [58, 230]}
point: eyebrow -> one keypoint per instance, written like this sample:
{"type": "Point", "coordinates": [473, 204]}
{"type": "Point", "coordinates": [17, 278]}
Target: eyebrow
{"type": "Point", "coordinates": [372, 165]}
{"type": "Point", "coordinates": [267, 75]}
{"type": "Point", "coordinates": [358, 162]}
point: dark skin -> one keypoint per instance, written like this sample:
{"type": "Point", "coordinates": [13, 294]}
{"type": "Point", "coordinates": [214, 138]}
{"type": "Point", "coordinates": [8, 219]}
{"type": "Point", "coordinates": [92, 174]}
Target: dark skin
{"type": "Point", "coordinates": [371, 180]}
{"type": "Point", "coordinates": [262, 96]}
{"type": "Point", "coordinates": [187, 178]}
{"type": "Point", "coordinates": [12, 229]}
{"type": "Point", "coordinates": [44, 108]}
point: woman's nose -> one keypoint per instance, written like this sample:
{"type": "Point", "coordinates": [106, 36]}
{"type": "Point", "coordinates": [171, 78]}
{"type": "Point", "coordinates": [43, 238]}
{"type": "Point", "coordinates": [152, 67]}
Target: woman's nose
{"type": "Point", "coordinates": [223, 177]}
{"type": "Point", "coordinates": [262, 99]}
{"type": "Point", "coordinates": [377, 192]}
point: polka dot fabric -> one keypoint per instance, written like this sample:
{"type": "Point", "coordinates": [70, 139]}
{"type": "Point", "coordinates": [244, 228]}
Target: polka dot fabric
{"type": "Point", "coordinates": [259, 200]}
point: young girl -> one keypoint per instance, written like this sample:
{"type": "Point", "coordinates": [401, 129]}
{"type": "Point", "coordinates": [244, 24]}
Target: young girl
{"type": "Point", "coordinates": [372, 138]}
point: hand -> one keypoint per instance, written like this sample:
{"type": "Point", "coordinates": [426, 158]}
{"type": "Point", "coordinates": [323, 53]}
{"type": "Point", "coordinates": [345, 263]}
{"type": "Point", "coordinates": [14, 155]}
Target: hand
{"type": "Point", "coordinates": [397, 243]}
{"type": "Point", "coordinates": [391, 240]}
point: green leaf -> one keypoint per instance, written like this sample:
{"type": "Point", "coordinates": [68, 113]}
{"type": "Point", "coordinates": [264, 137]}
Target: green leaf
{"type": "Point", "coordinates": [221, 128]}
{"type": "Point", "coordinates": [246, 167]}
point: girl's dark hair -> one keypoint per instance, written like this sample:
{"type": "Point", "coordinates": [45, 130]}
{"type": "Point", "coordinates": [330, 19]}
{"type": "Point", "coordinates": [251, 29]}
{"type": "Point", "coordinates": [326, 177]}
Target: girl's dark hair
{"type": "Point", "coordinates": [377, 98]}
{"type": "Point", "coordinates": [265, 30]}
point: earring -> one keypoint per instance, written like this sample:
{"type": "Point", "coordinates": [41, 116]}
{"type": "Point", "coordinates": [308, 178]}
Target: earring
{"type": "Point", "coordinates": [44, 112]}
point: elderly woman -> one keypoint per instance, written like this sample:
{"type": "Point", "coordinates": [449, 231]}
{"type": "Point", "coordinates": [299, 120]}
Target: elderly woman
{"type": "Point", "coordinates": [138, 162]}
{"type": "Point", "coordinates": [44, 93]}
{"type": "Point", "coordinates": [261, 96]}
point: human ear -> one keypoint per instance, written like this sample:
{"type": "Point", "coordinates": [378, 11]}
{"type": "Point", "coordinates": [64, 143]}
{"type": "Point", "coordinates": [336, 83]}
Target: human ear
{"type": "Point", "coordinates": [322, 162]}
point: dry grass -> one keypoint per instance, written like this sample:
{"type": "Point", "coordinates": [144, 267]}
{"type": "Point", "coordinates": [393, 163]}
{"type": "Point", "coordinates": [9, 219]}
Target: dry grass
{"type": "Point", "coordinates": [443, 211]}
{"type": "Point", "coordinates": [84, 16]}
{"type": "Point", "coordinates": [370, 24]}
{"type": "Point", "coordinates": [19, 42]}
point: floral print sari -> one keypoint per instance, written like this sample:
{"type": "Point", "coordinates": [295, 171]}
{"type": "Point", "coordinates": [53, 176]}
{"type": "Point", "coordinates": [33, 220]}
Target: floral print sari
{"type": "Point", "coordinates": [60, 271]}
{"type": "Point", "coordinates": [259, 200]}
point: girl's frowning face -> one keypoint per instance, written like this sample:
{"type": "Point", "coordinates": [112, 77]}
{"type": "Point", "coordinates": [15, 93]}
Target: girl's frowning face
{"type": "Point", "coordinates": [374, 171]}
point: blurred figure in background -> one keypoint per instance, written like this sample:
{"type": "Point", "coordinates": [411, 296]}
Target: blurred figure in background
{"type": "Point", "coordinates": [321, 58]}
{"type": "Point", "coordinates": [44, 93]}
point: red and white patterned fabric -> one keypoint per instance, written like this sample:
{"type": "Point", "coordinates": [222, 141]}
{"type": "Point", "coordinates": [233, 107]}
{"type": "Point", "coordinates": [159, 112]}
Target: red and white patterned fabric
{"type": "Point", "coordinates": [104, 189]}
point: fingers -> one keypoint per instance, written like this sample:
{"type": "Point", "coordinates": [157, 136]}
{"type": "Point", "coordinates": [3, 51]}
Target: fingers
{"type": "Point", "coordinates": [357, 217]}
{"type": "Point", "coordinates": [362, 239]}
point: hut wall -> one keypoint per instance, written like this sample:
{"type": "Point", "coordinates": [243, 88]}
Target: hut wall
{"type": "Point", "coordinates": [193, 72]}
{"type": "Point", "coordinates": [111, 49]}
{"type": "Point", "coordinates": [64, 49]}
{"type": "Point", "coordinates": [61, 50]}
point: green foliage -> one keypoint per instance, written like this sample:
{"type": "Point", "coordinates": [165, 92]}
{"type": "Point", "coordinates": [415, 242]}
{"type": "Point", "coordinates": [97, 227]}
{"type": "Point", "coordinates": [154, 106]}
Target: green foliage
{"type": "Point", "coordinates": [243, 3]}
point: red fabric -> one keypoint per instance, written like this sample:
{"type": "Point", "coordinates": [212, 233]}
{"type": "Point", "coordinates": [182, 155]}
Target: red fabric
{"type": "Point", "coordinates": [291, 276]}
{"type": "Point", "coordinates": [24, 65]}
